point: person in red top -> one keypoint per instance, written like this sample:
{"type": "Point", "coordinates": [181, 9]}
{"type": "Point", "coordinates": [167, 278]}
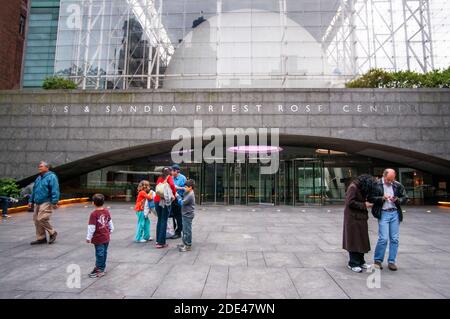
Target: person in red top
{"type": "Point", "coordinates": [99, 228]}
{"type": "Point", "coordinates": [163, 207]}
{"type": "Point", "coordinates": [143, 222]}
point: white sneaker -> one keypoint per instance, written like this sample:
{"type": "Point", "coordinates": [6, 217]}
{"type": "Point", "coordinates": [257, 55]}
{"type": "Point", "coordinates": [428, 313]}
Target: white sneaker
{"type": "Point", "coordinates": [366, 266]}
{"type": "Point", "coordinates": [141, 241]}
{"type": "Point", "coordinates": [150, 239]}
{"type": "Point", "coordinates": [355, 269]}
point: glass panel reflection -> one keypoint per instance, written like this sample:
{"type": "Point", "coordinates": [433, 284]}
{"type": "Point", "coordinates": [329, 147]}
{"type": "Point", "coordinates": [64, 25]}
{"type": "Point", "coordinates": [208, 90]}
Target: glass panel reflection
{"type": "Point", "coordinates": [120, 44]}
{"type": "Point", "coordinates": [305, 177]}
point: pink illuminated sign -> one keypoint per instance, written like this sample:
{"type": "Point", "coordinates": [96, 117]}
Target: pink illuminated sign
{"type": "Point", "coordinates": [255, 149]}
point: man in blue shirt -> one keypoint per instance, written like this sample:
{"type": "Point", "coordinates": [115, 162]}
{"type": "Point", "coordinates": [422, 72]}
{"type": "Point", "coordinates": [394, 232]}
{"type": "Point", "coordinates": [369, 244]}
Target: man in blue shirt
{"type": "Point", "coordinates": [179, 181]}
{"type": "Point", "coordinates": [45, 197]}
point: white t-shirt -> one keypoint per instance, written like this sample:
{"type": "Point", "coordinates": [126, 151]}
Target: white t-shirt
{"type": "Point", "coordinates": [388, 190]}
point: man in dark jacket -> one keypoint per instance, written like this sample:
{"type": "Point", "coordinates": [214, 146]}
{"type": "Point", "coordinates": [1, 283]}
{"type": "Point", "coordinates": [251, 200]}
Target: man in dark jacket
{"type": "Point", "coordinates": [387, 197]}
{"type": "Point", "coordinates": [179, 180]}
{"type": "Point", "coordinates": [45, 197]}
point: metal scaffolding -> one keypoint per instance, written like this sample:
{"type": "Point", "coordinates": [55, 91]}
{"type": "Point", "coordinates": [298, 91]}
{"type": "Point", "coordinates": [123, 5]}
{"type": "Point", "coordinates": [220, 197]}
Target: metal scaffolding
{"type": "Point", "coordinates": [367, 34]}
{"type": "Point", "coordinates": [121, 44]}
{"type": "Point", "coordinates": [97, 63]}
{"type": "Point", "coordinates": [419, 45]}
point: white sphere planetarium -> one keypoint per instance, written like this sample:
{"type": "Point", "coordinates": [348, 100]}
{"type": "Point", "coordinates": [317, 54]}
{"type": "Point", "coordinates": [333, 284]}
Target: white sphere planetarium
{"type": "Point", "coordinates": [241, 49]}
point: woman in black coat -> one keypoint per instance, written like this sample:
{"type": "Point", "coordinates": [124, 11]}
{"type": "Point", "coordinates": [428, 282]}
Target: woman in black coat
{"type": "Point", "coordinates": [356, 230]}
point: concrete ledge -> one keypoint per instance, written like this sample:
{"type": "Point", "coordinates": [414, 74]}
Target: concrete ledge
{"type": "Point", "coordinates": [63, 202]}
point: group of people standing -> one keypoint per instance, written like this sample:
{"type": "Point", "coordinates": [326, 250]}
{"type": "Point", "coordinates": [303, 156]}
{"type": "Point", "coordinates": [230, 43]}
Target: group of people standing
{"type": "Point", "coordinates": [173, 196]}
{"type": "Point", "coordinates": [384, 197]}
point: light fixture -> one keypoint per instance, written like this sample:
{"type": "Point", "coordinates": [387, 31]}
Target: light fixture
{"type": "Point", "coordinates": [183, 151]}
{"type": "Point", "coordinates": [255, 149]}
{"type": "Point", "coordinates": [329, 152]}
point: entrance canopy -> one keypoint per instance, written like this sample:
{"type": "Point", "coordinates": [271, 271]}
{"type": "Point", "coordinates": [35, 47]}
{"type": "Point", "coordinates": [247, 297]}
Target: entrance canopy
{"type": "Point", "coordinates": [386, 153]}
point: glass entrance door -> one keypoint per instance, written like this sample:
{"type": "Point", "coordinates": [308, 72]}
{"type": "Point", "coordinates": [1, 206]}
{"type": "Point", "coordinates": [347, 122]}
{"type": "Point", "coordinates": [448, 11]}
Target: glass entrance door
{"type": "Point", "coordinates": [267, 189]}
{"type": "Point", "coordinates": [260, 187]}
{"type": "Point", "coordinates": [283, 190]}
{"type": "Point", "coordinates": [308, 182]}
{"type": "Point", "coordinates": [214, 186]}
{"type": "Point", "coordinates": [241, 183]}
{"type": "Point", "coordinates": [237, 186]}
{"type": "Point", "coordinates": [209, 183]}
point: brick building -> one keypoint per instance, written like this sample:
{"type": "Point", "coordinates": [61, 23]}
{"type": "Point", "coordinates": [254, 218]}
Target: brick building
{"type": "Point", "coordinates": [13, 23]}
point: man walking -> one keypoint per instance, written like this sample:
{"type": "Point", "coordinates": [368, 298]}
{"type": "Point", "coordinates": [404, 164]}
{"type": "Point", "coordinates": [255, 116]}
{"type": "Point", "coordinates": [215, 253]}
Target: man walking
{"type": "Point", "coordinates": [387, 197]}
{"type": "Point", "coordinates": [45, 197]}
{"type": "Point", "coordinates": [179, 180]}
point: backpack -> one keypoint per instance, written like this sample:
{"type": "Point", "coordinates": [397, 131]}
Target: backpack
{"type": "Point", "coordinates": [159, 189]}
{"type": "Point", "coordinates": [168, 195]}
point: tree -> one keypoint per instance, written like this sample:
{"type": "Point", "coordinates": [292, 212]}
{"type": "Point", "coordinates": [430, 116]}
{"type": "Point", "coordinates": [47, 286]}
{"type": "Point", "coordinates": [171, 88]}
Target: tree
{"type": "Point", "coordinates": [9, 188]}
{"type": "Point", "coordinates": [378, 78]}
{"type": "Point", "coordinates": [55, 83]}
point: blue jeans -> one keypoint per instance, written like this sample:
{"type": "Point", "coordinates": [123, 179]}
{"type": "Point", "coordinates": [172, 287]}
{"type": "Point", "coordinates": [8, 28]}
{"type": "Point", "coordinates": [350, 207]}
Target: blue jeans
{"type": "Point", "coordinates": [177, 218]}
{"type": "Point", "coordinates": [101, 252]}
{"type": "Point", "coordinates": [187, 230]}
{"type": "Point", "coordinates": [5, 203]}
{"type": "Point", "coordinates": [161, 225]}
{"type": "Point", "coordinates": [142, 227]}
{"type": "Point", "coordinates": [388, 229]}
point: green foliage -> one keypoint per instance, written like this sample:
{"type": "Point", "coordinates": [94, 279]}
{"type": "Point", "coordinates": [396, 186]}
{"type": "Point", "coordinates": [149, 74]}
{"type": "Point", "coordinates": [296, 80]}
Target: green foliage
{"type": "Point", "coordinates": [56, 82]}
{"type": "Point", "coordinates": [9, 187]}
{"type": "Point", "coordinates": [378, 78]}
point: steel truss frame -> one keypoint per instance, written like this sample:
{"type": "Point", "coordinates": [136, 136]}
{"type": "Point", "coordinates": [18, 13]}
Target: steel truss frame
{"type": "Point", "coordinates": [365, 34]}
{"type": "Point", "coordinates": [91, 50]}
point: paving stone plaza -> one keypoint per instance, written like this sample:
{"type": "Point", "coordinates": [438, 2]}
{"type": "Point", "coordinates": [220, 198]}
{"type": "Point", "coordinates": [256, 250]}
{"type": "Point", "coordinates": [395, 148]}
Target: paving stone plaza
{"type": "Point", "coordinates": [277, 113]}
{"type": "Point", "coordinates": [238, 252]}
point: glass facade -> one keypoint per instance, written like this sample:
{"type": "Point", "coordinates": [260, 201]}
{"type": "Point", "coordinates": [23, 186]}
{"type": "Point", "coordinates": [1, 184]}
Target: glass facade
{"type": "Point", "coordinates": [41, 42]}
{"type": "Point", "coordinates": [120, 44]}
{"type": "Point", "coordinates": [305, 177]}
{"type": "Point", "coordinates": [201, 44]}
